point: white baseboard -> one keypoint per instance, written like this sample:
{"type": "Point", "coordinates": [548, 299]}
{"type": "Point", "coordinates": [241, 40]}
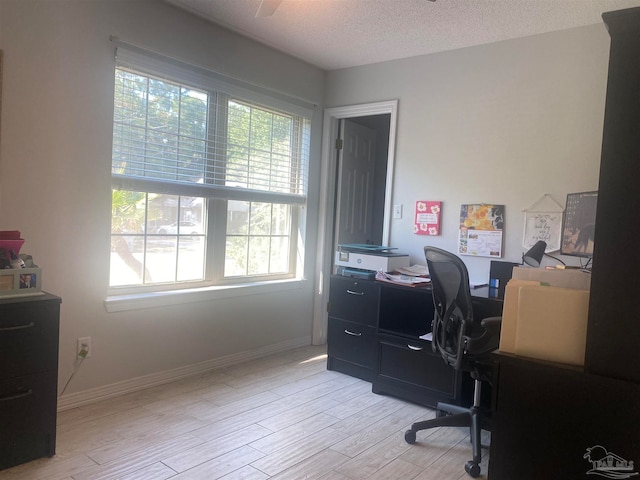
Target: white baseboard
{"type": "Point", "coordinates": [93, 395]}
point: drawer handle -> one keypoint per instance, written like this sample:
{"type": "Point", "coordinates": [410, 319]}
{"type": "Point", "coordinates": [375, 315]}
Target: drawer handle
{"type": "Point", "coordinates": [351, 292]}
{"type": "Point", "coordinates": [417, 349]}
{"type": "Point", "coordinates": [348, 332]}
{"type": "Point", "coordinates": [19, 327]}
{"type": "Point", "coordinates": [15, 396]}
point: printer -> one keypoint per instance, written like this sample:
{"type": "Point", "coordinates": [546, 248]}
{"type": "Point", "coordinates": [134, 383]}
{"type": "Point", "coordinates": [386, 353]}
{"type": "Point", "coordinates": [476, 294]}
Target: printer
{"type": "Point", "coordinates": [370, 257]}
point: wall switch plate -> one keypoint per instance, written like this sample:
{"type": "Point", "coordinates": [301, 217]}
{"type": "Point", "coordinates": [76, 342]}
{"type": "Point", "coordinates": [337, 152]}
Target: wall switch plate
{"type": "Point", "coordinates": [397, 211]}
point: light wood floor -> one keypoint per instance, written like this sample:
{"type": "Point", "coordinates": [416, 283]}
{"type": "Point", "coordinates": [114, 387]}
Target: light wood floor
{"type": "Point", "coordinates": [281, 417]}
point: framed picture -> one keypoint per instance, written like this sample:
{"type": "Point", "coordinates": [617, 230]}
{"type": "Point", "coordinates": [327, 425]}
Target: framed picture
{"type": "Point", "coordinates": [579, 224]}
{"type": "Point", "coordinates": [28, 280]}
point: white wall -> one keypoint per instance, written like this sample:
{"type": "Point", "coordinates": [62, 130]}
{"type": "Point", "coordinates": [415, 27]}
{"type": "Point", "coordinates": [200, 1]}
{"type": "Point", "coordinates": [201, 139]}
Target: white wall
{"type": "Point", "coordinates": [502, 123]}
{"type": "Point", "coordinates": [55, 180]}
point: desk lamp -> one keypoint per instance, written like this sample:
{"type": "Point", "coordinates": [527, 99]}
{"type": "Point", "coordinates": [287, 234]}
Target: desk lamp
{"type": "Point", "coordinates": [534, 255]}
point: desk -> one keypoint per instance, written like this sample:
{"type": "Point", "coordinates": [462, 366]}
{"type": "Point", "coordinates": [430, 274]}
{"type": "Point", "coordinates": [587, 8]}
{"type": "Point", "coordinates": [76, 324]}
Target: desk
{"type": "Point", "coordinates": [545, 416]}
{"type": "Point", "coordinates": [374, 334]}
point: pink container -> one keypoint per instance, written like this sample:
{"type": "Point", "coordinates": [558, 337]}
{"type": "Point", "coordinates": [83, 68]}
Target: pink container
{"type": "Point", "coordinates": [14, 245]}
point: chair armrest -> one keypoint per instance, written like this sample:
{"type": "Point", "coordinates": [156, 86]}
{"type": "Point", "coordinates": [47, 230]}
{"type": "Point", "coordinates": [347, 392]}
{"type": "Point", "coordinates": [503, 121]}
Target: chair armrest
{"type": "Point", "coordinates": [489, 340]}
{"type": "Point", "coordinates": [492, 325]}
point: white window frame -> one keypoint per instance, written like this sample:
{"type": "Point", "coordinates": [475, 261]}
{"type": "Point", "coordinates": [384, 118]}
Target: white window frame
{"type": "Point", "coordinates": [126, 297]}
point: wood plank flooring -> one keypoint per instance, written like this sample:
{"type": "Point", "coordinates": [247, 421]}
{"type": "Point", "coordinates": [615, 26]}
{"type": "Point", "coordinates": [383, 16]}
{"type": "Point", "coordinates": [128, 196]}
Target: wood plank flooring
{"type": "Point", "coordinates": [283, 417]}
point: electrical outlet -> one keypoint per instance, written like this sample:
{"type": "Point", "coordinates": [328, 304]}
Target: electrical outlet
{"type": "Point", "coordinates": [397, 211]}
{"type": "Point", "coordinates": [84, 345]}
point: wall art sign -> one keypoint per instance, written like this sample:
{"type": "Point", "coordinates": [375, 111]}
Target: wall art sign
{"type": "Point", "coordinates": [543, 221]}
{"type": "Point", "coordinates": [480, 232]}
{"type": "Point", "coordinates": [427, 219]}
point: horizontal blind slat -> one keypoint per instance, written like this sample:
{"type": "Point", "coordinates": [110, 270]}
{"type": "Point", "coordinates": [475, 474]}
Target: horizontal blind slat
{"type": "Point", "coordinates": [122, 182]}
{"type": "Point", "coordinates": [256, 150]}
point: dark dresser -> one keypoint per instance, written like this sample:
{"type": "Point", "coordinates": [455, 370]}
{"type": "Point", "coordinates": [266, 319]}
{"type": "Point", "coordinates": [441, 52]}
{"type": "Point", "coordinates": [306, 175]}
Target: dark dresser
{"type": "Point", "coordinates": [29, 329]}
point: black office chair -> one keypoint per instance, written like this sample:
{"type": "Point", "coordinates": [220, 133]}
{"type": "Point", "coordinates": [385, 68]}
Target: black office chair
{"type": "Point", "coordinates": [462, 342]}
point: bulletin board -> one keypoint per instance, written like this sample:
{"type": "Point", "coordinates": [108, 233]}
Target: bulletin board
{"type": "Point", "coordinates": [480, 232]}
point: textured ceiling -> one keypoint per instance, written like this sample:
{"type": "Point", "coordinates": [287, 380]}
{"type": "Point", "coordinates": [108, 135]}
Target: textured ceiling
{"type": "Point", "coordinates": [333, 34]}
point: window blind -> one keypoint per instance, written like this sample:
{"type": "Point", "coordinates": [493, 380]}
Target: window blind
{"type": "Point", "coordinates": [193, 132]}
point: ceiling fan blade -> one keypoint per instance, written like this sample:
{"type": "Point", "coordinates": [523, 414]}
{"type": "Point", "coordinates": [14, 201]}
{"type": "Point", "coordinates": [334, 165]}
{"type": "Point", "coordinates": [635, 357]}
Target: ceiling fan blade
{"type": "Point", "coordinates": [267, 7]}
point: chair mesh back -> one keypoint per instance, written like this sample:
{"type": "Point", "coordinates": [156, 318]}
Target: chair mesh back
{"type": "Point", "coordinates": [452, 301]}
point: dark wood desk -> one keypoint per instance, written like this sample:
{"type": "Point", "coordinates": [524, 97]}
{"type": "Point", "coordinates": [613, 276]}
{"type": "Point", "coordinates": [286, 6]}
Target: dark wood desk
{"type": "Point", "coordinates": [546, 415]}
{"type": "Point", "coordinates": [375, 331]}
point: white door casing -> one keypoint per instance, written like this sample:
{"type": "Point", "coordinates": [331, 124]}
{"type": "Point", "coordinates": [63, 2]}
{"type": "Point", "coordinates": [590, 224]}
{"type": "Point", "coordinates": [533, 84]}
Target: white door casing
{"type": "Point", "coordinates": [332, 117]}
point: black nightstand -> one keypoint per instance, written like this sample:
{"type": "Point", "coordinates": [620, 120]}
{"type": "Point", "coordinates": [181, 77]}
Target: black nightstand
{"type": "Point", "coordinates": [28, 378]}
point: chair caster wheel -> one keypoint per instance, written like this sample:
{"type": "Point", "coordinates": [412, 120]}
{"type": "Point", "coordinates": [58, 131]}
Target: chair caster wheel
{"type": "Point", "coordinates": [473, 469]}
{"type": "Point", "coordinates": [410, 437]}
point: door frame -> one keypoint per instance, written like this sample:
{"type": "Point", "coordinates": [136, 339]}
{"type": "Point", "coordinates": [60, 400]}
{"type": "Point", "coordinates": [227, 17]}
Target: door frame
{"type": "Point", "coordinates": [324, 253]}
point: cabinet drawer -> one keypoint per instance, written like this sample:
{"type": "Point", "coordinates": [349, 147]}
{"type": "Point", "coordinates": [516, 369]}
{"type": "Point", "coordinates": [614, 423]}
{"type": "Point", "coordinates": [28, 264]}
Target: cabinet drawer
{"type": "Point", "coordinates": [27, 418]}
{"type": "Point", "coordinates": [352, 342]}
{"type": "Point", "coordinates": [401, 360]}
{"type": "Point", "coordinates": [28, 338]}
{"type": "Point", "coordinates": [354, 300]}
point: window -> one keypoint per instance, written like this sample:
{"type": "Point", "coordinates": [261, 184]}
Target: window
{"type": "Point", "coordinates": [207, 186]}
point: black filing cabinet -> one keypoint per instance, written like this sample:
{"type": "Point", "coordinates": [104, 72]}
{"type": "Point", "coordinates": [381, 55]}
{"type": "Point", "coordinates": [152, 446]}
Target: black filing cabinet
{"type": "Point", "coordinates": [377, 332]}
{"type": "Point", "coordinates": [352, 338]}
{"type": "Point", "coordinates": [407, 365]}
{"type": "Point", "coordinates": [29, 329]}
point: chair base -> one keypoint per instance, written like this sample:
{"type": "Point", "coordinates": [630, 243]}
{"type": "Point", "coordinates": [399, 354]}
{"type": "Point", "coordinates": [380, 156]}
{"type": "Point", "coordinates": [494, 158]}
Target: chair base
{"type": "Point", "coordinates": [455, 416]}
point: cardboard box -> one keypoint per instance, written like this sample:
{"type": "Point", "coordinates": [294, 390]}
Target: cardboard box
{"type": "Point", "coordinates": [555, 278]}
{"type": "Point", "coordinates": [510, 314]}
{"type": "Point", "coordinates": [552, 324]}
{"type": "Point", "coordinates": [545, 322]}
{"type": "Point", "coordinates": [20, 281]}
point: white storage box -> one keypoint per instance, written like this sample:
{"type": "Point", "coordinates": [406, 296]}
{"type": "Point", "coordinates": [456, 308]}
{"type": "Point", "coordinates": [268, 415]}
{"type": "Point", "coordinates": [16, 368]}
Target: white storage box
{"type": "Point", "coordinates": [20, 281]}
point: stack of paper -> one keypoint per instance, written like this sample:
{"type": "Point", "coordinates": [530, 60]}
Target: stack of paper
{"type": "Point", "coordinates": [414, 271]}
{"type": "Point", "coordinates": [401, 279]}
